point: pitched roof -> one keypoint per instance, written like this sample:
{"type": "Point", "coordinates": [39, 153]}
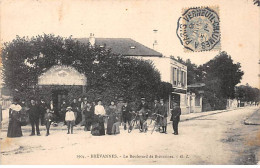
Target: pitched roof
{"type": "Point", "coordinates": [124, 46]}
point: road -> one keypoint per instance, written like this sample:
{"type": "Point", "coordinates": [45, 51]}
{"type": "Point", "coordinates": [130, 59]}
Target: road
{"type": "Point", "coordinates": [222, 138]}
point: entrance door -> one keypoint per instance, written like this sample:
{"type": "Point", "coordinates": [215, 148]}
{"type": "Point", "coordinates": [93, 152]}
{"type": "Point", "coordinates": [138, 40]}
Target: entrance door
{"type": "Point", "coordinates": [58, 96]}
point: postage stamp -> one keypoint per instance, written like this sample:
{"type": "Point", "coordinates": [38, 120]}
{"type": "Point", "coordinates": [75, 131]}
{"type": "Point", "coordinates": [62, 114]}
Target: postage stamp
{"type": "Point", "coordinates": [199, 29]}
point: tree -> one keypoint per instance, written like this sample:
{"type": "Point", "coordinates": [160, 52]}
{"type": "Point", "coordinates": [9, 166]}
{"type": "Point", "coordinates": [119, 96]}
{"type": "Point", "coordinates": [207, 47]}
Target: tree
{"type": "Point", "coordinates": [109, 75]}
{"type": "Point", "coordinates": [227, 73]}
{"type": "Point", "coordinates": [247, 93]}
{"type": "Point", "coordinates": [221, 76]}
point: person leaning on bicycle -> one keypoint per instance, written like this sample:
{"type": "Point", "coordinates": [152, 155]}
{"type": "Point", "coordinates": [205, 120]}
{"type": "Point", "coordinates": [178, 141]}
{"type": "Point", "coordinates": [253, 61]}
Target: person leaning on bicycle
{"type": "Point", "coordinates": [156, 112]}
{"type": "Point", "coordinates": [143, 114]}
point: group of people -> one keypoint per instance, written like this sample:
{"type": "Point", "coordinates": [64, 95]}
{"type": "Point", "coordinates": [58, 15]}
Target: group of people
{"type": "Point", "coordinates": [91, 115]}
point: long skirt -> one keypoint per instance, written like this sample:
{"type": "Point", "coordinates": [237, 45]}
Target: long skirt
{"type": "Point", "coordinates": [115, 128]}
{"type": "Point", "coordinates": [98, 127]}
{"type": "Point", "coordinates": [110, 122]}
{"type": "Point", "coordinates": [88, 122]}
{"type": "Point", "coordinates": [14, 129]}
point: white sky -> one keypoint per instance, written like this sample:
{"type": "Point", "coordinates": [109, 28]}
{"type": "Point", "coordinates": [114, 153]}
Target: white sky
{"type": "Point", "coordinates": [239, 21]}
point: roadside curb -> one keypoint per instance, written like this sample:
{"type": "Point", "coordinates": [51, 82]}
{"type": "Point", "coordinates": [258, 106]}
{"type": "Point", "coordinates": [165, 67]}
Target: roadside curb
{"type": "Point", "coordinates": [207, 113]}
{"type": "Point", "coordinates": [254, 119]}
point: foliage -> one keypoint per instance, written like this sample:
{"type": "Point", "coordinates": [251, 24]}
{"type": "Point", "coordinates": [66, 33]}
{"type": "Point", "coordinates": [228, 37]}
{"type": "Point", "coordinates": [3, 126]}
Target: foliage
{"type": "Point", "coordinates": [109, 76]}
{"type": "Point", "coordinates": [247, 93]}
{"type": "Point", "coordinates": [220, 76]}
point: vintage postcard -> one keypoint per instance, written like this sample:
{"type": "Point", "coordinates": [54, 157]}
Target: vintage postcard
{"type": "Point", "coordinates": [129, 82]}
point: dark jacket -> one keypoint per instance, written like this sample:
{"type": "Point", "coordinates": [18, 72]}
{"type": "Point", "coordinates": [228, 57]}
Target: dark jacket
{"type": "Point", "coordinates": [126, 110]}
{"type": "Point", "coordinates": [89, 113]}
{"type": "Point", "coordinates": [176, 112]}
{"type": "Point", "coordinates": [74, 107]}
{"type": "Point", "coordinates": [34, 112]}
{"type": "Point", "coordinates": [143, 106]}
{"type": "Point", "coordinates": [156, 107]}
{"type": "Point", "coordinates": [163, 110]}
{"type": "Point", "coordinates": [43, 107]}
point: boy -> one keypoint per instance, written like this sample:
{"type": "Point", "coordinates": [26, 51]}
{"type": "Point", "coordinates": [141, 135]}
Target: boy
{"type": "Point", "coordinates": [70, 119]}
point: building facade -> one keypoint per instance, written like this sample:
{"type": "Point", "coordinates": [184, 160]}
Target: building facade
{"type": "Point", "coordinates": [170, 69]}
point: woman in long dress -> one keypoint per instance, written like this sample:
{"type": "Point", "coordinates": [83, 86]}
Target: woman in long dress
{"type": "Point", "coordinates": [14, 127]}
{"type": "Point", "coordinates": [98, 127]}
{"type": "Point", "coordinates": [111, 112]}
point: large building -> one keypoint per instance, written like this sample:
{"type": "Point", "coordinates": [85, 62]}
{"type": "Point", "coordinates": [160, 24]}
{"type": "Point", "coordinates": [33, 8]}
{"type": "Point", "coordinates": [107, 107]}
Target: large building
{"type": "Point", "coordinates": [170, 69]}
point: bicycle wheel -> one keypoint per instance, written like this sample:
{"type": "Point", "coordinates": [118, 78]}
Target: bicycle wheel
{"type": "Point", "coordinates": [131, 126]}
{"type": "Point", "coordinates": [151, 121]}
{"type": "Point", "coordinates": [155, 125]}
{"type": "Point", "coordinates": [139, 125]}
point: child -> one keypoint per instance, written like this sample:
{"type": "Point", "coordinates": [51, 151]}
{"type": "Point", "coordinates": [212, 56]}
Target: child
{"type": "Point", "coordinates": [70, 119]}
{"type": "Point", "coordinates": [48, 120]}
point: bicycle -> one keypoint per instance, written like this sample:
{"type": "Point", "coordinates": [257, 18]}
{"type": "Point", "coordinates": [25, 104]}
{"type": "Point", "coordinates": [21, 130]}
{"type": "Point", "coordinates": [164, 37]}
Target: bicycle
{"type": "Point", "coordinates": [134, 121]}
{"type": "Point", "coordinates": [156, 124]}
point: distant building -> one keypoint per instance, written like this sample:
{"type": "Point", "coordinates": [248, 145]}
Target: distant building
{"type": "Point", "coordinates": [194, 97]}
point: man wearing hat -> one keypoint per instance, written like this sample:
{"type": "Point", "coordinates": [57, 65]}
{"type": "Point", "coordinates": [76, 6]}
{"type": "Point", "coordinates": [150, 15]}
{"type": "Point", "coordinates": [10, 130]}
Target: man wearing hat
{"type": "Point", "coordinates": [84, 105]}
{"type": "Point", "coordinates": [175, 118]}
{"type": "Point", "coordinates": [163, 111]}
{"type": "Point", "coordinates": [70, 119]}
{"type": "Point", "coordinates": [143, 110]}
{"type": "Point", "coordinates": [119, 106]}
{"type": "Point", "coordinates": [126, 115]}
{"type": "Point", "coordinates": [34, 116]}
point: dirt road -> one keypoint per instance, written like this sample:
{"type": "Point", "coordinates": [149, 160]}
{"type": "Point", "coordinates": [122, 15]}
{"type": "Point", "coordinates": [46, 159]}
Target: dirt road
{"type": "Point", "coordinates": [221, 138]}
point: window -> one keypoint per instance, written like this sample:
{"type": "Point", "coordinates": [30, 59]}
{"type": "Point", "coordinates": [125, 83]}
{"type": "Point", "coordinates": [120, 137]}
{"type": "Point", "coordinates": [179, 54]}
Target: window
{"type": "Point", "coordinates": [175, 76]}
{"type": "Point", "coordinates": [178, 76]}
{"type": "Point", "coordinates": [182, 78]}
{"type": "Point", "coordinates": [185, 79]}
{"type": "Point", "coordinates": [172, 75]}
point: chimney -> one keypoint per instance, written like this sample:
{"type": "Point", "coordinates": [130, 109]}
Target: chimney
{"type": "Point", "coordinates": [92, 40]}
{"type": "Point", "coordinates": [155, 43]}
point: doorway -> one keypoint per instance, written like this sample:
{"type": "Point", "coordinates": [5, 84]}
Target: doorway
{"type": "Point", "coordinates": [58, 96]}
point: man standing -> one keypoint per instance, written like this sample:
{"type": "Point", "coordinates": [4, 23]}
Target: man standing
{"type": "Point", "coordinates": [75, 109]}
{"type": "Point", "coordinates": [42, 108]}
{"type": "Point", "coordinates": [155, 111]}
{"type": "Point", "coordinates": [119, 106]}
{"type": "Point", "coordinates": [34, 116]}
{"type": "Point", "coordinates": [143, 111]}
{"type": "Point", "coordinates": [175, 118]}
{"type": "Point", "coordinates": [126, 114]}
{"type": "Point", "coordinates": [63, 108]}
{"type": "Point", "coordinates": [164, 113]}
{"type": "Point", "coordinates": [84, 105]}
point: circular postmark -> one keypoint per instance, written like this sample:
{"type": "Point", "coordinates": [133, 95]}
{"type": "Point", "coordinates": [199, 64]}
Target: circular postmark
{"type": "Point", "coordinates": [198, 29]}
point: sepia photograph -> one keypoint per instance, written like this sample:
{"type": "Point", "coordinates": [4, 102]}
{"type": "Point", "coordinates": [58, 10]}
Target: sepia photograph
{"type": "Point", "coordinates": [129, 82]}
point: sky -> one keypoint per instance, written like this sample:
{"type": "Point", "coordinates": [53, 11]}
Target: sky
{"type": "Point", "coordinates": [136, 19]}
